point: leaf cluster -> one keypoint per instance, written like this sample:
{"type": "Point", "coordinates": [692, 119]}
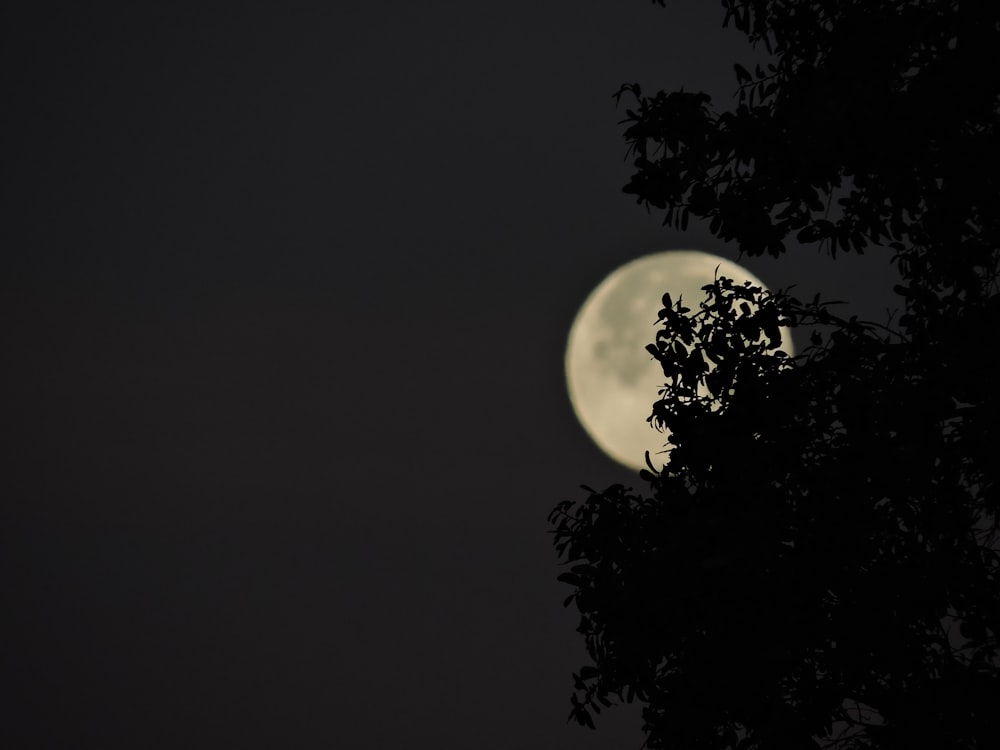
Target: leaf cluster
{"type": "Point", "coordinates": [874, 123]}
{"type": "Point", "coordinates": [816, 564]}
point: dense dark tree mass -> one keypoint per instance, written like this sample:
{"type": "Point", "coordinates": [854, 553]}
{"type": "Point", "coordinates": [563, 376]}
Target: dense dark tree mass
{"type": "Point", "coordinates": [817, 563]}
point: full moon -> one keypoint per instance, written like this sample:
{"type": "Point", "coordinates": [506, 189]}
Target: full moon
{"type": "Point", "coordinates": [611, 378]}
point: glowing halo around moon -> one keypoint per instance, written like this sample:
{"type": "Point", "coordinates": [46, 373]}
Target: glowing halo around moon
{"type": "Point", "coordinates": [612, 380]}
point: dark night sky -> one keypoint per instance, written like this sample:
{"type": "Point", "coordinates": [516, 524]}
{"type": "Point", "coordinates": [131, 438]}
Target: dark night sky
{"type": "Point", "coordinates": [284, 296]}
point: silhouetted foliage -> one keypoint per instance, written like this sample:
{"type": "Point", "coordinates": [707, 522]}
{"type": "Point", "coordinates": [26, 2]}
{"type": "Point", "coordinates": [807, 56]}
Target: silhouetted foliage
{"type": "Point", "coordinates": [817, 562]}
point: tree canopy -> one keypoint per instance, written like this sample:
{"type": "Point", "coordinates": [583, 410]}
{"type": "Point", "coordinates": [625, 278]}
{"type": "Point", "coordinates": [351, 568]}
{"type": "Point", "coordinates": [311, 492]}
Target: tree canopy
{"type": "Point", "coordinates": [817, 563]}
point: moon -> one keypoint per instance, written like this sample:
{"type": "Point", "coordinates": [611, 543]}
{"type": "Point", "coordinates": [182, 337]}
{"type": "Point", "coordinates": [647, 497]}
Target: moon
{"type": "Point", "coordinates": [612, 380]}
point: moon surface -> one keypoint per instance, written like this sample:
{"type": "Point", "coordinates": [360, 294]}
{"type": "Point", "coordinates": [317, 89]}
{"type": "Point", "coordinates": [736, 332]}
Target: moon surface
{"type": "Point", "coordinates": [611, 378]}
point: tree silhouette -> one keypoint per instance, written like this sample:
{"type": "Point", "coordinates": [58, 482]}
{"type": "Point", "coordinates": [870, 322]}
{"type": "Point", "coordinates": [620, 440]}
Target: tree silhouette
{"type": "Point", "coordinates": [816, 564]}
